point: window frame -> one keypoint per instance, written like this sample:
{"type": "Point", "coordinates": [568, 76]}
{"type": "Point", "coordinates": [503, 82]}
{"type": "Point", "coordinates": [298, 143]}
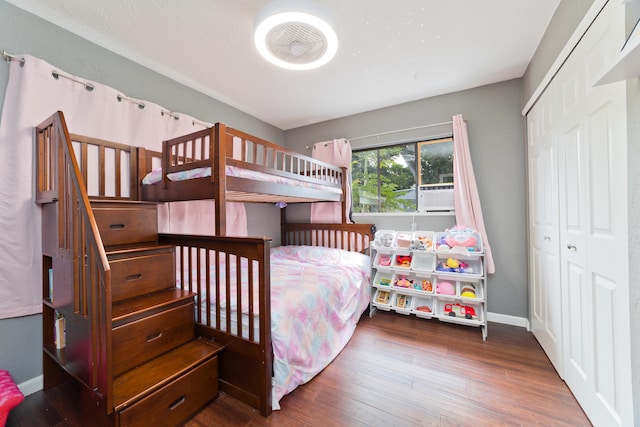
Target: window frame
{"type": "Point", "coordinates": [418, 143]}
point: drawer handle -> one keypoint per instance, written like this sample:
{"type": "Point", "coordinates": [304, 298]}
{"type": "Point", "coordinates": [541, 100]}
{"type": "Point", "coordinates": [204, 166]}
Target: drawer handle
{"type": "Point", "coordinates": [154, 337]}
{"type": "Point", "coordinates": [177, 403]}
{"type": "Point", "coordinates": [116, 226]}
{"type": "Point", "coordinates": [133, 277]}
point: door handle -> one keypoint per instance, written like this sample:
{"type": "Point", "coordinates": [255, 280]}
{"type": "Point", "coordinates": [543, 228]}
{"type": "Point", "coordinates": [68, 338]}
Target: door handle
{"type": "Point", "coordinates": [571, 247]}
{"type": "Point", "coordinates": [547, 238]}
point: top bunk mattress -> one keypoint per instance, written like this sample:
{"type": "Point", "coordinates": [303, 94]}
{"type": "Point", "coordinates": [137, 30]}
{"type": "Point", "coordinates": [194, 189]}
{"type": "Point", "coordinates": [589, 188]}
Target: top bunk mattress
{"type": "Point", "coordinates": [155, 176]}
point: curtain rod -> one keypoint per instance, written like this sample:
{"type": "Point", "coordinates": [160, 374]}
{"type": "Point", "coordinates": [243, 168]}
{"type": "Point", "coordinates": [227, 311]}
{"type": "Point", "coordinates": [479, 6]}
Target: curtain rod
{"type": "Point", "coordinates": [400, 130]}
{"type": "Point", "coordinates": [394, 131]}
{"type": "Point", "coordinates": [8, 57]}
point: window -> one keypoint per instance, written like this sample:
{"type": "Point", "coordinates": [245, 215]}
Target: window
{"type": "Point", "coordinates": [388, 179]}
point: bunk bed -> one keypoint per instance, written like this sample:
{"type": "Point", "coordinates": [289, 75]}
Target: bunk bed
{"type": "Point", "coordinates": [235, 278]}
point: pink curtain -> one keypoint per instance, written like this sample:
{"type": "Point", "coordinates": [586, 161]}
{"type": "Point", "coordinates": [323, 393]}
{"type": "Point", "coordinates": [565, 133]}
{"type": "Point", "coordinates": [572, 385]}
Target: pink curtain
{"type": "Point", "coordinates": [338, 153]}
{"type": "Point", "coordinates": [466, 197]}
{"type": "Point", "coordinates": [32, 95]}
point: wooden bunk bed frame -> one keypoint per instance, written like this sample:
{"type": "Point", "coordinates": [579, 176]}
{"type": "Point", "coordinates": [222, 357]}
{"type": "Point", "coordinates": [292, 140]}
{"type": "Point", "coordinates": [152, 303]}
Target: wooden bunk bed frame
{"type": "Point", "coordinates": [246, 363]}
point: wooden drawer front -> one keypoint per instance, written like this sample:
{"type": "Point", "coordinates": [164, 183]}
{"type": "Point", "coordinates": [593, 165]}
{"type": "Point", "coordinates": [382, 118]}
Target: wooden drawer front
{"type": "Point", "coordinates": [140, 341]}
{"type": "Point", "coordinates": [141, 275]}
{"type": "Point", "coordinates": [123, 225]}
{"type": "Point", "coordinates": [176, 401]}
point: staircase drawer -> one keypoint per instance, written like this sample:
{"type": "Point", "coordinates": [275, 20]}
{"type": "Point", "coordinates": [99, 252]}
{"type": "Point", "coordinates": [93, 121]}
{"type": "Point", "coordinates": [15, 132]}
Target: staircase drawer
{"type": "Point", "coordinates": [143, 274]}
{"type": "Point", "coordinates": [142, 340]}
{"type": "Point", "coordinates": [122, 224]}
{"type": "Point", "coordinates": [176, 401]}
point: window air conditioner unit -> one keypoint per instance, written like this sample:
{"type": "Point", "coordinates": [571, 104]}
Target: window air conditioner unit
{"type": "Point", "coordinates": [435, 199]}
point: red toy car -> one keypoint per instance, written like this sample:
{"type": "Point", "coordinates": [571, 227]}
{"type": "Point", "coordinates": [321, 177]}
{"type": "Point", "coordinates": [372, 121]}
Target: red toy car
{"type": "Point", "coordinates": [457, 309]}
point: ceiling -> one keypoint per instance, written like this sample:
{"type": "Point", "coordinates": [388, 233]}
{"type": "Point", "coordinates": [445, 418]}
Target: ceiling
{"type": "Point", "coordinates": [390, 52]}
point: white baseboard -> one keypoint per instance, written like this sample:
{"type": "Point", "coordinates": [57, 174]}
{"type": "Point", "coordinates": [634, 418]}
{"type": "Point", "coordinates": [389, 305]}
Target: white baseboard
{"type": "Point", "coordinates": [508, 320]}
{"type": "Point", "coordinates": [31, 386]}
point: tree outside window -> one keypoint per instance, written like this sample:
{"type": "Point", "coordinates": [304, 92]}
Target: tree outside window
{"type": "Point", "coordinates": [385, 180]}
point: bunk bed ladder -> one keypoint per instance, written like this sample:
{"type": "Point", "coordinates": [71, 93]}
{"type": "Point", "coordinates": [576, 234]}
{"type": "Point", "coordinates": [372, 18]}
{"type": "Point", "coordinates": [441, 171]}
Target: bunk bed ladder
{"type": "Point", "coordinates": [131, 342]}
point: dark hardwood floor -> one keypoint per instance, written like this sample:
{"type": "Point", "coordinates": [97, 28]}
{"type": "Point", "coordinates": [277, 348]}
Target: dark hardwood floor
{"type": "Point", "coordinates": [395, 371]}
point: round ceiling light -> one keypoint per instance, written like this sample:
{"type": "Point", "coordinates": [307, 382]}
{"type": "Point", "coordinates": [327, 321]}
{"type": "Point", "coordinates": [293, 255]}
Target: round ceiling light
{"type": "Point", "coordinates": [295, 34]}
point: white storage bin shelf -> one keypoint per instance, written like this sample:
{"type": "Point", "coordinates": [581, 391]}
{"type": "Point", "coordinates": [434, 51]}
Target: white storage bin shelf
{"type": "Point", "coordinates": [411, 276]}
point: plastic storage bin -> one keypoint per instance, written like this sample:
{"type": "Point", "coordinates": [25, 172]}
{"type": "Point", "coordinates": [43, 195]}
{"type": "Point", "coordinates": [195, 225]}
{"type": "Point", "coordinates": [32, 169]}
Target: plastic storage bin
{"type": "Point", "coordinates": [458, 241]}
{"type": "Point", "coordinates": [423, 307]}
{"type": "Point", "coordinates": [402, 303]}
{"type": "Point", "coordinates": [384, 238]}
{"type": "Point", "coordinates": [402, 259]}
{"type": "Point", "coordinates": [460, 312]}
{"type": "Point", "coordinates": [403, 281]}
{"type": "Point", "coordinates": [423, 261]}
{"type": "Point", "coordinates": [382, 279]}
{"type": "Point", "coordinates": [403, 240]}
{"type": "Point", "coordinates": [458, 264]}
{"type": "Point", "coordinates": [383, 259]}
{"type": "Point", "coordinates": [382, 299]}
{"type": "Point", "coordinates": [423, 240]}
{"type": "Point", "coordinates": [470, 291]}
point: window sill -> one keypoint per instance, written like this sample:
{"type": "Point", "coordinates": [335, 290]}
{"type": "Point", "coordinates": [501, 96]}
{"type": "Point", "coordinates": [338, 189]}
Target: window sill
{"type": "Point", "coordinates": [403, 214]}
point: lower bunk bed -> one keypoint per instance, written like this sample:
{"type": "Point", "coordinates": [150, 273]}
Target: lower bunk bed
{"type": "Point", "coordinates": [283, 313]}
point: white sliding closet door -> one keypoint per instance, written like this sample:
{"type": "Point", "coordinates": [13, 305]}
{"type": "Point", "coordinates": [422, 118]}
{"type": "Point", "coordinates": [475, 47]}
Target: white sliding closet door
{"type": "Point", "coordinates": [586, 127]}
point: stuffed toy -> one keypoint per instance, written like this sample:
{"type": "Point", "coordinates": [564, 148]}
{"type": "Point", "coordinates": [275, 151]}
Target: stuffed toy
{"type": "Point", "coordinates": [445, 288]}
{"type": "Point", "coordinates": [461, 236]}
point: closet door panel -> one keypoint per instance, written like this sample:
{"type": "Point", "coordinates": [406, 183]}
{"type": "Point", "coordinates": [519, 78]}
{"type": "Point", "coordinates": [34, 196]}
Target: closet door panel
{"type": "Point", "coordinates": [545, 289]}
{"type": "Point", "coordinates": [605, 382]}
{"type": "Point", "coordinates": [577, 307]}
{"type": "Point", "coordinates": [593, 223]}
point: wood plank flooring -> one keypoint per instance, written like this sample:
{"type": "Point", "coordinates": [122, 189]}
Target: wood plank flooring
{"type": "Point", "coordinates": [395, 371]}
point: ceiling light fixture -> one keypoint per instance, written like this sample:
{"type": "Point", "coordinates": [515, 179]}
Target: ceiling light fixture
{"type": "Point", "coordinates": [295, 34]}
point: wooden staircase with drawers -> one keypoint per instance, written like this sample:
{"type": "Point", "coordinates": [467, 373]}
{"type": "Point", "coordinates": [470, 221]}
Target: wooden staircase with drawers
{"type": "Point", "coordinates": [131, 341]}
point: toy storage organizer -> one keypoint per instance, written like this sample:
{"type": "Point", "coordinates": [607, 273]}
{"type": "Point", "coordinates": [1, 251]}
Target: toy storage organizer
{"type": "Point", "coordinates": [417, 273]}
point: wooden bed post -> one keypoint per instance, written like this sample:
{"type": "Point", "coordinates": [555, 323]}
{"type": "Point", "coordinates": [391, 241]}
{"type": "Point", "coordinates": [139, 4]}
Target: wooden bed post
{"type": "Point", "coordinates": [219, 176]}
{"type": "Point", "coordinates": [283, 224]}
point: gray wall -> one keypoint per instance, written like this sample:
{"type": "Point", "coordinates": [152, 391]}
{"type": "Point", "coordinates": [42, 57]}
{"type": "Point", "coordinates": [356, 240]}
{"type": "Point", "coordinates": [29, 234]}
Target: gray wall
{"type": "Point", "coordinates": [497, 143]}
{"type": "Point", "coordinates": [23, 33]}
{"type": "Point", "coordinates": [564, 22]}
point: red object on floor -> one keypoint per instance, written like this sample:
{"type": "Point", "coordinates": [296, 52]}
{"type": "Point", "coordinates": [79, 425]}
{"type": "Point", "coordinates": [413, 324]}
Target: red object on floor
{"type": "Point", "coordinates": [10, 396]}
